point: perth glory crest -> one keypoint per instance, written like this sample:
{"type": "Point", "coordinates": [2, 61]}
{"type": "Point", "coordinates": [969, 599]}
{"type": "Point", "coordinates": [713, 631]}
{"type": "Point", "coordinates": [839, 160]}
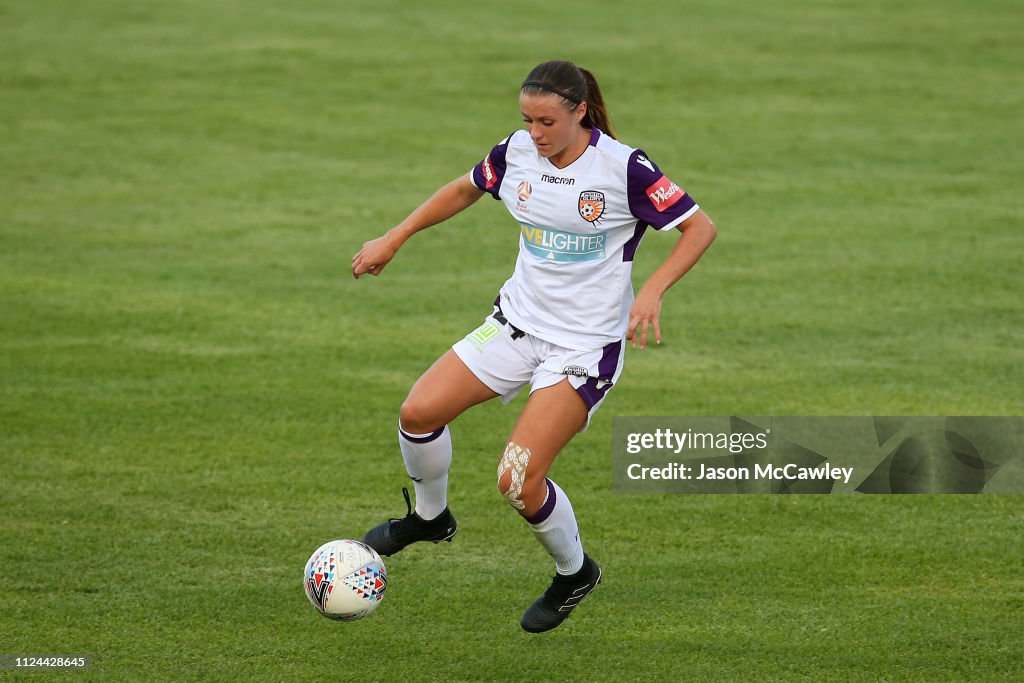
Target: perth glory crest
{"type": "Point", "coordinates": [591, 205]}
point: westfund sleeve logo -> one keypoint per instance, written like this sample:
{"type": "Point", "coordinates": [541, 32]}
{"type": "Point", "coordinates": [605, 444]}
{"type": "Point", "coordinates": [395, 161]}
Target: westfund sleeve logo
{"type": "Point", "coordinates": [489, 176]}
{"type": "Point", "coordinates": [664, 194]}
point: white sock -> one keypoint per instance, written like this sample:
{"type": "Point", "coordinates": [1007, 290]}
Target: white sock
{"type": "Point", "coordinates": [427, 459]}
{"type": "Point", "coordinates": [554, 525]}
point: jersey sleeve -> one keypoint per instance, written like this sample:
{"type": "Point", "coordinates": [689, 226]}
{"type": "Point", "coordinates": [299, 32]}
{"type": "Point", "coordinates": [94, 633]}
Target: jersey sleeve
{"type": "Point", "coordinates": [653, 198]}
{"type": "Point", "coordinates": [488, 174]}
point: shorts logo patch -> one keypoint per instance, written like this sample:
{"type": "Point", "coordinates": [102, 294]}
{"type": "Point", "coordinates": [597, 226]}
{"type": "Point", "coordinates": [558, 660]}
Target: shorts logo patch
{"type": "Point", "coordinates": [483, 334]}
{"type": "Point", "coordinates": [591, 205]}
{"type": "Point", "coordinates": [577, 370]}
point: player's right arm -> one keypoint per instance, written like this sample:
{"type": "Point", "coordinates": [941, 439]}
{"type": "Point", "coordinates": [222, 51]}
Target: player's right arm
{"type": "Point", "coordinates": [445, 203]}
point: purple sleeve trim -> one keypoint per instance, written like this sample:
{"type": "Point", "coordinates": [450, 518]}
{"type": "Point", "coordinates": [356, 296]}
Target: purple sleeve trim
{"type": "Point", "coordinates": [674, 224]}
{"type": "Point", "coordinates": [653, 198]}
{"type": "Point", "coordinates": [488, 174]}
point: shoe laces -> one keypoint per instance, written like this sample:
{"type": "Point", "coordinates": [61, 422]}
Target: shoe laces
{"type": "Point", "coordinates": [408, 505]}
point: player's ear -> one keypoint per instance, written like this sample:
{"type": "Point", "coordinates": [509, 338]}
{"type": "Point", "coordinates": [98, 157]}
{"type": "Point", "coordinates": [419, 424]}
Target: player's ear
{"type": "Point", "coordinates": [581, 111]}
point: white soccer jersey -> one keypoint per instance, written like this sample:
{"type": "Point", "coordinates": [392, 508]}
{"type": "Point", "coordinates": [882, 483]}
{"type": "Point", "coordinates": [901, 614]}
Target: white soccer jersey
{"type": "Point", "coordinates": [579, 229]}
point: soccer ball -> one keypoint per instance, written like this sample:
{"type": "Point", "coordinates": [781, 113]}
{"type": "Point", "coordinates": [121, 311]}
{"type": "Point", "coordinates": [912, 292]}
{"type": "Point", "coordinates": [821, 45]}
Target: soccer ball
{"type": "Point", "coordinates": [345, 580]}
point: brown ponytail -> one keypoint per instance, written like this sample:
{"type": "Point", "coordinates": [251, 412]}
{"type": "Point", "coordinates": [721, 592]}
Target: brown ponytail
{"type": "Point", "coordinates": [574, 85]}
{"type": "Point", "coordinates": [597, 111]}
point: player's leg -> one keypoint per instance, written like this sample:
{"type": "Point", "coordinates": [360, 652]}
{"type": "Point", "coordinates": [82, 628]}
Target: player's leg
{"type": "Point", "coordinates": [440, 395]}
{"type": "Point", "coordinates": [443, 393]}
{"type": "Point", "coordinates": [551, 418]}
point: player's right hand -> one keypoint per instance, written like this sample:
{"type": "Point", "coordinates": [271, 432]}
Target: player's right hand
{"type": "Point", "coordinates": [372, 258]}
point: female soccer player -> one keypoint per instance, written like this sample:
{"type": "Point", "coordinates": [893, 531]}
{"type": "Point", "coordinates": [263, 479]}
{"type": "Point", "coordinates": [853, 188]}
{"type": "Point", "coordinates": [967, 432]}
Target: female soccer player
{"type": "Point", "coordinates": [582, 202]}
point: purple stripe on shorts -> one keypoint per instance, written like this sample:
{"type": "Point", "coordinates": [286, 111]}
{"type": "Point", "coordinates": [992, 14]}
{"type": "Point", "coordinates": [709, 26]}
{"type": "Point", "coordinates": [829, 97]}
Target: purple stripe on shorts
{"type": "Point", "coordinates": [609, 360]}
{"type": "Point", "coordinates": [629, 250]}
{"type": "Point", "coordinates": [421, 439]}
{"type": "Point", "coordinates": [546, 508]}
{"type": "Point", "coordinates": [606, 367]}
{"type": "Point", "coordinates": [590, 394]}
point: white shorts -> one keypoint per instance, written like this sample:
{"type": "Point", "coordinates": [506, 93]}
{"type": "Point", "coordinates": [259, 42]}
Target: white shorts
{"type": "Point", "coordinates": [506, 359]}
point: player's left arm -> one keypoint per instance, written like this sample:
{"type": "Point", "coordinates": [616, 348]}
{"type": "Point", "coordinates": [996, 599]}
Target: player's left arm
{"type": "Point", "coordinates": [698, 232]}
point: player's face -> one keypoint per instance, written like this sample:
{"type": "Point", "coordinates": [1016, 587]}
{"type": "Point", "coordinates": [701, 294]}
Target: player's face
{"type": "Point", "coordinates": [553, 126]}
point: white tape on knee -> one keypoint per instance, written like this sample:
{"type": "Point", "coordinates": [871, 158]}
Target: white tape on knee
{"type": "Point", "coordinates": [514, 461]}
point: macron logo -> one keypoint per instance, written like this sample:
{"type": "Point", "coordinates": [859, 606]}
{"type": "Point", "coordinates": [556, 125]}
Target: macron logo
{"type": "Point", "coordinates": [545, 178]}
{"type": "Point", "coordinates": [664, 194]}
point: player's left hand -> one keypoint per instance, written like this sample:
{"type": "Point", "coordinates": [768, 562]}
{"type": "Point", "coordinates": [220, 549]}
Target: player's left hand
{"type": "Point", "coordinates": [644, 315]}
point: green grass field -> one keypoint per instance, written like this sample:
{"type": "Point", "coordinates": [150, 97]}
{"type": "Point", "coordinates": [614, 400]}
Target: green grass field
{"type": "Point", "coordinates": [195, 393]}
